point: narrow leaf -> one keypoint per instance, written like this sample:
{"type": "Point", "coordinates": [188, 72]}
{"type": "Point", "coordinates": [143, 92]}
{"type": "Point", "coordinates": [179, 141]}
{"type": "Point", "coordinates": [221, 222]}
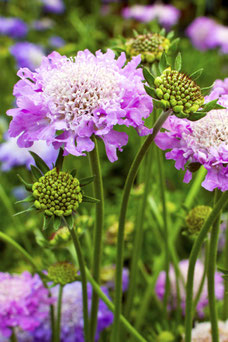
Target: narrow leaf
{"type": "Point", "coordinates": [90, 199]}
{"type": "Point", "coordinates": [163, 63]}
{"type": "Point", "coordinates": [170, 35]}
{"type": "Point", "coordinates": [196, 74]}
{"type": "Point", "coordinates": [26, 200]}
{"type": "Point", "coordinates": [57, 222]}
{"type": "Point", "coordinates": [59, 160]}
{"type": "Point", "coordinates": [173, 46]}
{"type": "Point", "coordinates": [178, 62]}
{"type": "Point", "coordinates": [36, 172]}
{"type": "Point", "coordinates": [24, 211]}
{"type": "Point", "coordinates": [205, 90]}
{"type": "Point", "coordinates": [150, 91]}
{"type": "Point", "coordinates": [148, 76]}
{"type": "Point", "coordinates": [27, 185]}
{"type": "Point", "coordinates": [73, 172]}
{"type": "Point", "coordinates": [162, 32]}
{"type": "Point", "coordinates": [39, 162]}
{"type": "Point", "coordinates": [46, 222]}
{"type": "Point", "coordinates": [86, 181]}
{"type": "Point", "coordinates": [212, 105]}
{"type": "Point", "coordinates": [69, 221]}
{"type": "Point", "coordinates": [155, 70]}
{"type": "Point", "coordinates": [135, 33]}
{"type": "Point", "coordinates": [158, 103]}
{"type": "Point", "coordinates": [197, 116]}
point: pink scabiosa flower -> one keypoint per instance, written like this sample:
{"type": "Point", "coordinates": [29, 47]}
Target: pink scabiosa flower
{"type": "Point", "coordinates": [203, 142]}
{"type": "Point", "coordinates": [220, 92]}
{"type": "Point", "coordinates": [202, 332]}
{"type": "Point", "coordinates": [23, 302]}
{"type": "Point", "coordinates": [67, 100]}
{"type": "Point", "coordinates": [199, 270]}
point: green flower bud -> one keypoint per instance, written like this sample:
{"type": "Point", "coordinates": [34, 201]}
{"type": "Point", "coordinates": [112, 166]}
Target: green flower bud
{"type": "Point", "coordinates": [196, 218]}
{"type": "Point", "coordinates": [57, 193]}
{"type": "Point", "coordinates": [184, 94]}
{"type": "Point", "coordinates": [165, 336]}
{"type": "Point", "coordinates": [150, 46]}
{"type": "Point", "coordinates": [62, 273]}
{"type": "Point", "coordinates": [60, 237]}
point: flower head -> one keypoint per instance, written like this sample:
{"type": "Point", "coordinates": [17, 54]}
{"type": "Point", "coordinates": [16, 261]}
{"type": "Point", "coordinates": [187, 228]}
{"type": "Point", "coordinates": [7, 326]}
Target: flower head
{"type": "Point", "coordinates": [62, 273]}
{"type": "Point", "coordinates": [23, 302]}
{"type": "Point", "coordinates": [196, 218]}
{"type": "Point", "coordinates": [220, 92]}
{"type": "Point", "coordinates": [11, 155]}
{"type": "Point", "coordinates": [202, 332]}
{"type": "Point", "coordinates": [53, 6]}
{"type": "Point", "coordinates": [27, 54]}
{"type": "Point", "coordinates": [68, 100]}
{"type": "Point", "coordinates": [149, 46]}
{"type": "Point", "coordinates": [204, 142]}
{"type": "Point", "coordinates": [199, 270]}
{"type": "Point", "coordinates": [13, 27]}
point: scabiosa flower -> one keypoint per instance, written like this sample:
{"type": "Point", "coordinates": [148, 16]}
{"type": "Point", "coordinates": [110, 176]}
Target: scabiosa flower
{"type": "Point", "coordinates": [53, 6]}
{"type": "Point", "coordinates": [13, 27]}
{"type": "Point", "coordinates": [27, 54]}
{"type": "Point", "coordinates": [199, 270]}
{"type": "Point", "coordinates": [167, 15]}
{"type": "Point", "coordinates": [23, 302]}
{"type": "Point", "coordinates": [108, 277]}
{"type": "Point", "coordinates": [220, 92]}
{"type": "Point", "coordinates": [202, 332]}
{"type": "Point", "coordinates": [204, 142]}
{"type": "Point", "coordinates": [68, 100]}
{"type": "Point", "coordinates": [56, 42]}
{"type": "Point", "coordinates": [11, 155]}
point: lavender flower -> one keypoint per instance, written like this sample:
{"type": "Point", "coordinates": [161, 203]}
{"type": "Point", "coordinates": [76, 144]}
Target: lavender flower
{"type": "Point", "coordinates": [11, 155]}
{"type": "Point", "coordinates": [80, 97]}
{"type": "Point", "coordinates": [13, 27]}
{"type": "Point", "coordinates": [27, 54]}
{"type": "Point", "coordinates": [108, 277]}
{"type": "Point", "coordinates": [204, 142]}
{"type": "Point", "coordinates": [43, 24]}
{"type": "Point", "coordinates": [199, 269]}
{"type": "Point", "coordinates": [167, 15]}
{"type": "Point", "coordinates": [56, 42]}
{"type": "Point", "coordinates": [220, 92]}
{"type": "Point", "coordinates": [205, 33]}
{"type": "Point", "coordinates": [23, 302]}
{"type": "Point", "coordinates": [202, 332]}
{"type": "Point", "coordinates": [54, 6]}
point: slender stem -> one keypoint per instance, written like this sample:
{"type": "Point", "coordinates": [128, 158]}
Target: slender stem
{"type": "Point", "coordinates": [111, 306]}
{"type": "Point", "coordinates": [225, 307]}
{"type": "Point", "coordinates": [192, 261]}
{"type": "Point", "coordinates": [138, 237]}
{"type": "Point", "coordinates": [211, 275]}
{"type": "Point", "coordinates": [59, 308]}
{"type": "Point", "coordinates": [84, 282]}
{"type": "Point", "coordinates": [28, 257]}
{"type": "Point", "coordinates": [203, 278]}
{"type": "Point", "coordinates": [97, 241]}
{"type": "Point", "coordinates": [120, 241]}
{"type": "Point", "coordinates": [13, 337]}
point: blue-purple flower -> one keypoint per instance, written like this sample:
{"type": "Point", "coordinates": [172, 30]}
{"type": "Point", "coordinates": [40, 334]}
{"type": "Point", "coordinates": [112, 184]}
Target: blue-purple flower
{"type": "Point", "coordinates": [56, 42]}
{"type": "Point", "coordinates": [53, 6]}
{"type": "Point", "coordinates": [13, 27]}
{"type": "Point", "coordinates": [27, 55]}
{"type": "Point", "coordinates": [68, 100]}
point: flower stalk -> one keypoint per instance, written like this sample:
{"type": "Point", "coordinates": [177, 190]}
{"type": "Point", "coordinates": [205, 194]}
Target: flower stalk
{"type": "Point", "coordinates": [120, 242]}
{"type": "Point", "coordinates": [59, 307]}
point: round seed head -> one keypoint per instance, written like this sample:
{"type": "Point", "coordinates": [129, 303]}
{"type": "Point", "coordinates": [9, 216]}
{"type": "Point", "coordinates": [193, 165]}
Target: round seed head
{"type": "Point", "coordinates": [62, 273]}
{"type": "Point", "coordinates": [196, 218]}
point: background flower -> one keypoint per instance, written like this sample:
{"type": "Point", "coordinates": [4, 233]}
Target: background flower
{"type": "Point", "coordinates": [27, 54]}
{"type": "Point", "coordinates": [202, 332]}
{"type": "Point", "coordinates": [54, 6]}
{"type": "Point", "coordinates": [13, 27]}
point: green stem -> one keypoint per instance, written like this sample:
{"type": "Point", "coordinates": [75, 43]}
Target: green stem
{"type": "Point", "coordinates": [111, 306]}
{"type": "Point", "coordinates": [211, 275]}
{"type": "Point", "coordinates": [192, 261]}
{"type": "Point", "coordinates": [59, 308]}
{"type": "Point", "coordinates": [138, 237]}
{"type": "Point", "coordinates": [13, 337]}
{"type": "Point", "coordinates": [97, 251]}
{"type": "Point", "coordinates": [84, 283]}
{"type": "Point", "coordinates": [28, 257]}
{"type": "Point", "coordinates": [120, 241]}
{"type": "Point", "coordinates": [225, 305]}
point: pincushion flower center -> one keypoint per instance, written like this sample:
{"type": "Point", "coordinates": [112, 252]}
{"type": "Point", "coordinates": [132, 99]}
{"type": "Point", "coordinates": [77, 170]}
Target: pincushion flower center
{"type": "Point", "coordinates": [78, 88]}
{"type": "Point", "coordinates": [13, 289]}
{"type": "Point", "coordinates": [212, 130]}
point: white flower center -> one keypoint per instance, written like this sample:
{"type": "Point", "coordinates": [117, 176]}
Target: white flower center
{"type": "Point", "coordinates": [76, 89]}
{"type": "Point", "coordinates": [13, 290]}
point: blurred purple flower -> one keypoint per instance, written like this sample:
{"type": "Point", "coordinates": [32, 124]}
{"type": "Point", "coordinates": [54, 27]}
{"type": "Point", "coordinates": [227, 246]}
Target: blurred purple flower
{"type": "Point", "coordinates": [53, 6]}
{"type": "Point", "coordinates": [56, 42]}
{"type": "Point", "coordinates": [183, 267]}
{"type": "Point", "coordinates": [108, 277]}
{"type": "Point", "coordinates": [206, 33]}
{"type": "Point", "coordinates": [13, 27]}
{"type": "Point", "coordinates": [167, 15]}
{"type": "Point", "coordinates": [11, 155]}
{"type": "Point", "coordinates": [27, 55]}
{"type": "Point", "coordinates": [82, 96]}
{"type": "Point", "coordinates": [23, 302]}
{"type": "Point", "coordinates": [43, 24]}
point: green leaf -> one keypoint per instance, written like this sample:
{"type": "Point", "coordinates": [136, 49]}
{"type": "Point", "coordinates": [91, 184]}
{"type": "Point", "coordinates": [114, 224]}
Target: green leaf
{"type": "Point", "coordinates": [212, 105]}
{"type": "Point", "coordinates": [150, 91]}
{"type": "Point", "coordinates": [155, 70]}
{"type": "Point", "coordinates": [27, 185]}
{"type": "Point", "coordinates": [69, 221]}
{"type": "Point", "coordinates": [26, 200]}
{"type": "Point", "coordinates": [173, 46]}
{"type": "Point", "coordinates": [39, 162]}
{"type": "Point", "coordinates": [135, 33]}
{"type": "Point", "coordinates": [148, 76]}
{"type": "Point", "coordinates": [170, 35]}
{"type": "Point", "coordinates": [178, 62]}
{"type": "Point", "coordinates": [182, 115]}
{"type": "Point", "coordinates": [59, 160]}
{"type": "Point", "coordinates": [57, 222]}
{"type": "Point", "coordinates": [223, 270]}
{"type": "Point", "coordinates": [46, 222]}
{"type": "Point", "coordinates": [86, 181]}
{"type": "Point", "coordinates": [163, 63]}
{"type": "Point", "coordinates": [24, 211]}
{"type": "Point", "coordinates": [73, 172]}
{"type": "Point", "coordinates": [162, 32]}
{"type": "Point", "coordinates": [197, 116]}
{"type": "Point", "coordinates": [205, 90]}
{"type": "Point", "coordinates": [196, 74]}
{"type": "Point", "coordinates": [36, 172]}
{"type": "Point", "coordinates": [158, 104]}
{"type": "Point", "coordinates": [90, 199]}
